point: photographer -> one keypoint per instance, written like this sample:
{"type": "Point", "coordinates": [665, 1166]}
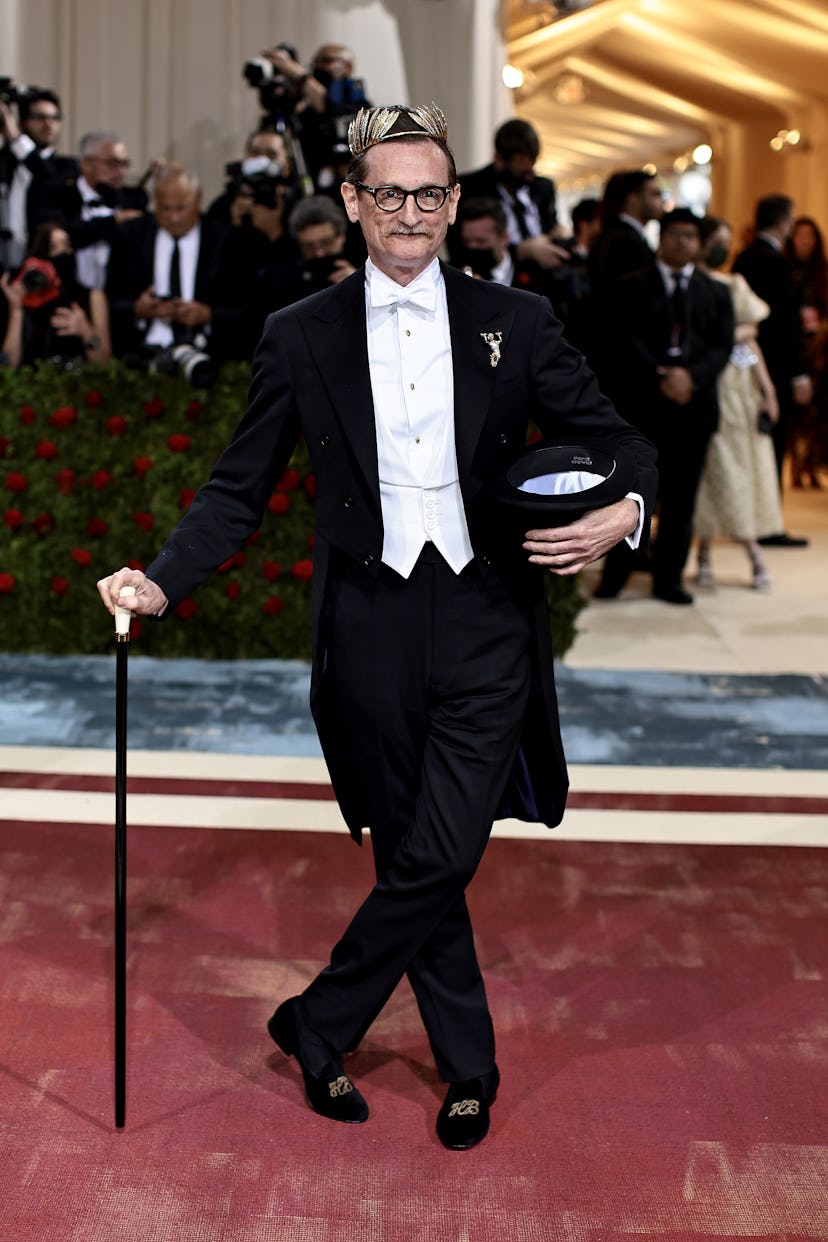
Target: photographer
{"type": "Point", "coordinates": [27, 162]}
{"type": "Point", "coordinates": [50, 314]}
{"type": "Point", "coordinates": [90, 205]}
{"type": "Point", "coordinates": [266, 150]}
{"type": "Point", "coordinates": [317, 103]}
{"type": "Point", "coordinates": [318, 227]}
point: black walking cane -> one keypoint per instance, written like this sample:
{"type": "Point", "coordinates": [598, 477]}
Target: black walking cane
{"type": "Point", "coordinates": [122, 620]}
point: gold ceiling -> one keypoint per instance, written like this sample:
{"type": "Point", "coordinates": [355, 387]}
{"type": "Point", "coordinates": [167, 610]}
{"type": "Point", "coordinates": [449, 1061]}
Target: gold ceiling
{"type": "Point", "coordinates": [618, 83]}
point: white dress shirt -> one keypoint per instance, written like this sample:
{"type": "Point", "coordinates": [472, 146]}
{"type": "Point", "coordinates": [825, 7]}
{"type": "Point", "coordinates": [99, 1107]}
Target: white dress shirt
{"type": "Point", "coordinates": [412, 381]}
{"type": "Point", "coordinates": [16, 221]}
{"type": "Point", "coordinates": [160, 332]}
{"type": "Point", "coordinates": [91, 261]}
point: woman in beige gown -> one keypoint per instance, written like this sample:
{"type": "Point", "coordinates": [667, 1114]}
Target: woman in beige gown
{"type": "Point", "coordinates": [739, 492]}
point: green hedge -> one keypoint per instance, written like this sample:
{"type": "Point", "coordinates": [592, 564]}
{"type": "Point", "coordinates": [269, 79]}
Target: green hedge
{"type": "Point", "coordinates": [96, 466]}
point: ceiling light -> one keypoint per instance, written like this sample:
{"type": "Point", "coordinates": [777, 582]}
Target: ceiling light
{"type": "Point", "coordinates": [512, 77]}
{"type": "Point", "coordinates": [703, 153]}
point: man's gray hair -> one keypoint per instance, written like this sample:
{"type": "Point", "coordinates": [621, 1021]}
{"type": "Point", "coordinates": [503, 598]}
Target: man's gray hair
{"type": "Point", "coordinates": [176, 171]}
{"type": "Point", "coordinates": [318, 209]}
{"type": "Point", "coordinates": [91, 143]}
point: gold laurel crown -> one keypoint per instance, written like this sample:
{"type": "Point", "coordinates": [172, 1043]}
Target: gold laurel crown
{"type": "Point", "coordinates": [373, 125]}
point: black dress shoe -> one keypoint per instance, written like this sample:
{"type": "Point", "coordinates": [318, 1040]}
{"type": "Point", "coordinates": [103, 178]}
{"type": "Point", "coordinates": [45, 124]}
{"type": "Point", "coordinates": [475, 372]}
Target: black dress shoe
{"type": "Point", "coordinates": [463, 1121]}
{"type": "Point", "coordinates": [672, 593]}
{"type": "Point", "coordinates": [782, 540]}
{"type": "Point", "coordinates": [331, 1094]}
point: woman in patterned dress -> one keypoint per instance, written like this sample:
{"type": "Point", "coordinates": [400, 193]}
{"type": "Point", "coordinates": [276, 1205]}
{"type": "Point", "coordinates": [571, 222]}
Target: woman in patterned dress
{"type": "Point", "coordinates": [739, 492]}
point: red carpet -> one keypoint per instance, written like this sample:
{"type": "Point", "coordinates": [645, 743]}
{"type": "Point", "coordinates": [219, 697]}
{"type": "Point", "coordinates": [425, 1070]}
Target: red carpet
{"type": "Point", "coordinates": [663, 1039]}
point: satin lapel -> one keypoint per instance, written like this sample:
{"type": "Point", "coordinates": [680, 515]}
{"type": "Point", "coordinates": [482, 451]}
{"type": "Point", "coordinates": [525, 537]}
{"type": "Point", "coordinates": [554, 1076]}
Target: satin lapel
{"type": "Point", "coordinates": [472, 314]}
{"type": "Point", "coordinates": [336, 335]}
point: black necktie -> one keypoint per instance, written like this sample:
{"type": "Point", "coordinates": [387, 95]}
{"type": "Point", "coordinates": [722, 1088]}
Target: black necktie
{"type": "Point", "coordinates": [519, 209]}
{"type": "Point", "coordinates": [175, 271]}
{"type": "Point", "coordinates": [677, 335]}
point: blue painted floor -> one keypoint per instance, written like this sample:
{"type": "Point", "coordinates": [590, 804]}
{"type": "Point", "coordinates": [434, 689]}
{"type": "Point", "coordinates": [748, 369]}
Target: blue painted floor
{"type": "Point", "coordinates": [260, 707]}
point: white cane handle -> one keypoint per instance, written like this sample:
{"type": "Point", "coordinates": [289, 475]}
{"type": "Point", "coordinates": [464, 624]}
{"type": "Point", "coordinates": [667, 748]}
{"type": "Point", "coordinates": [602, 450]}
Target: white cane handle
{"type": "Point", "coordinates": [123, 616]}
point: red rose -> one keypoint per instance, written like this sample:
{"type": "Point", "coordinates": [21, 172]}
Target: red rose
{"type": "Point", "coordinates": [47, 449]}
{"type": "Point", "coordinates": [310, 486]}
{"type": "Point", "coordinates": [186, 609]}
{"type": "Point", "coordinates": [302, 570]}
{"type": "Point", "coordinates": [92, 399]}
{"type": "Point", "coordinates": [81, 557]}
{"type": "Point", "coordinates": [13, 518]}
{"type": "Point", "coordinates": [177, 443]}
{"type": "Point", "coordinates": [136, 565]}
{"type": "Point", "coordinates": [232, 590]}
{"type": "Point", "coordinates": [100, 479]}
{"type": "Point", "coordinates": [193, 410]}
{"type": "Point", "coordinates": [185, 497]}
{"type": "Point", "coordinates": [5, 445]}
{"type": "Point", "coordinates": [153, 408]}
{"type": "Point", "coordinates": [273, 605]}
{"type": "Point", "coordinates": [534, 437]}
{"type": "Point", "coordinates": [43, 524]}
{"type": "Point", "coordinates": [96, 527]}
{"type": "Point", "coordinates": [117, 425]}
{"type": "Point", "coordinates": [239, 557]}
{"type": "Point", "coordinates": [60, 585]}
{"type": "Point", "coordinates": [27, 415]}
{"type": "Point", "coordinates": [311, 541]}
{"type": "Point", "coordinates": [65, 482]}
{"type": "Point", "coordinates": [142, 465]}
{"type": "Point", "coordinates": [289, 481]}
{"type": "Point", "coordinates": [144, 521]}
{"type": "Point", "coordinates": [279, 503]}
{"type": "Point", "coordinates": [64, 417]}
{"type": "Point", "coordinates": [271, 570]}
{"type": "Point", "coordinates": [524, 278]}
{"type": "Point", "coordinates": [16, 482]}
{"type": "Point", "coordinates": [7, 583]}
{"type": "Point", "coordinates": [254, 538]}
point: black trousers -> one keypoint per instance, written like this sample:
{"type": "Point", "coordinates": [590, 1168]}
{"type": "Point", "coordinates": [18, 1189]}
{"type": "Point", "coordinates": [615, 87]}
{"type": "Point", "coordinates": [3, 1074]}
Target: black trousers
{"type": "Point", "coordinates": [432, 676]}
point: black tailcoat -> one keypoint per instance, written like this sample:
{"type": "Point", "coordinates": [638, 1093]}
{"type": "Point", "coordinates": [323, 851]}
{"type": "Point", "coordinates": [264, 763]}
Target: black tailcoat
{"type": "Point", "coordinates": [311, 377]}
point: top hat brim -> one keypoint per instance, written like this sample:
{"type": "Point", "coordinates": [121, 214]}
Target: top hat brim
{"type": "Point", "coordinates": [553, 482]}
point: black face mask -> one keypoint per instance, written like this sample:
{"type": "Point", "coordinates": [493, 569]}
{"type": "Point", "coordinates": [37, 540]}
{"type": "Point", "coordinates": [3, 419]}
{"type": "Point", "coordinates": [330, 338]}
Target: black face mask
{"type": "Point", "coordinates": [716, 255]}
{"type": "Point", "coordinates": [106, 194]}
{"type": "Point", "coordinates": [319, 269]}
{"type": "Point", "coordinates": [482, 262]}
{"type": "Point", "coordinates": [64, 265]}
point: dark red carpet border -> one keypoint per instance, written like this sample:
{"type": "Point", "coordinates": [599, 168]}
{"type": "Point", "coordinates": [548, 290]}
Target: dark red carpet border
{"type": "Point", "coordinates": [663, 1039]}
{"type": "Point", "coordinates": [602, 800]}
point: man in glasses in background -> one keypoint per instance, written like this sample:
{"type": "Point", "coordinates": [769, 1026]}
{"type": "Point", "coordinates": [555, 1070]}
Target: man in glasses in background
{"type": "Point", "coordinates": [30, 130]}
{"type": "Point", "coordinates": [90, 205]}
{"type": "Point", "coordinates": [432, 684]}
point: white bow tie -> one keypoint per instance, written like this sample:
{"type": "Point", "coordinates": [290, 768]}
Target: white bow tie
{"type": "Point", "coordinates": [424, 296]}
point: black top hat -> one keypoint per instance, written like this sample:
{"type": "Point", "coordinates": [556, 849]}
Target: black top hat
{"type": "Point", "coordinates": [555, 482]}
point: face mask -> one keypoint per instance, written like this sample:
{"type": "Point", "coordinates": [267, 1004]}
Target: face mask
{"type": "Point", "coordinates": [716, 254]}
{"type": "Point", "coordinates": [260, 165]}
{"type": "Point", "coordinates": [511, 180]}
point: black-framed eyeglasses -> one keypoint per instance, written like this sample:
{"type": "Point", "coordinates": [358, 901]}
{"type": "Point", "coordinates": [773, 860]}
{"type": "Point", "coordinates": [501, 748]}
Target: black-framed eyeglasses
{"type": "Point", "coordinates": [392, 197]}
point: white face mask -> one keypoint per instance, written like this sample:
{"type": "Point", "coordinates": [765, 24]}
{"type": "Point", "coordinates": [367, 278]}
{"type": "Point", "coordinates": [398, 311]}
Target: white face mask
{"type": "Point", "coordinates": [261, 165]}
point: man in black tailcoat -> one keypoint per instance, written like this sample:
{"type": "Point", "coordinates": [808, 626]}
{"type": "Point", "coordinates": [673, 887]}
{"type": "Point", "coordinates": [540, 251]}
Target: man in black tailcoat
{"type": "Point", "coordinates": [432, 683]}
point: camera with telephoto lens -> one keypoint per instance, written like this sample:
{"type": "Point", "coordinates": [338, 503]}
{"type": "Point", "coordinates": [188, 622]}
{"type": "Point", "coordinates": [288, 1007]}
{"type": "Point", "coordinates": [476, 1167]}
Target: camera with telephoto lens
{"type": "Point", "coordinates": [12, 92]}
{"type": "Point", "coordinates": [187, 360]}
{"type": "Point", "coordinates": [277, 94]}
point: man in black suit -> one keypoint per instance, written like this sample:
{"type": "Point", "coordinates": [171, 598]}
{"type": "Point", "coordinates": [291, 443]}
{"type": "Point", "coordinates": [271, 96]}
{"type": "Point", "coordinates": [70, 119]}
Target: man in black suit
{"type": "Point", "coordinates": [173, 277]}
{"type": "Point", "coordinates": [673, 335]}
{"type": "Point", "coordinates": [632, 198]}
{"type": "Point", "coordinates": [432, 683]}
{"type": "Point", "coordinates": [765, 268]}
{"type": "Point", "coordinates": [27, 163]}
{"type": "Point", "coordinates": [528, 200]}
{"type": "Point", "coordinates": [91, 204]}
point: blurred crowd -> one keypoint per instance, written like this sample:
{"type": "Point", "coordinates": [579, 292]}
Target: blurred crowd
{"type": "Point", "coordinates": [717, 352]}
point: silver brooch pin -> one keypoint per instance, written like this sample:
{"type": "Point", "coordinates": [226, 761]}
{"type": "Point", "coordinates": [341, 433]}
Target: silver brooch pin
{"type": "Point", "coordinates": [493, 340]}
